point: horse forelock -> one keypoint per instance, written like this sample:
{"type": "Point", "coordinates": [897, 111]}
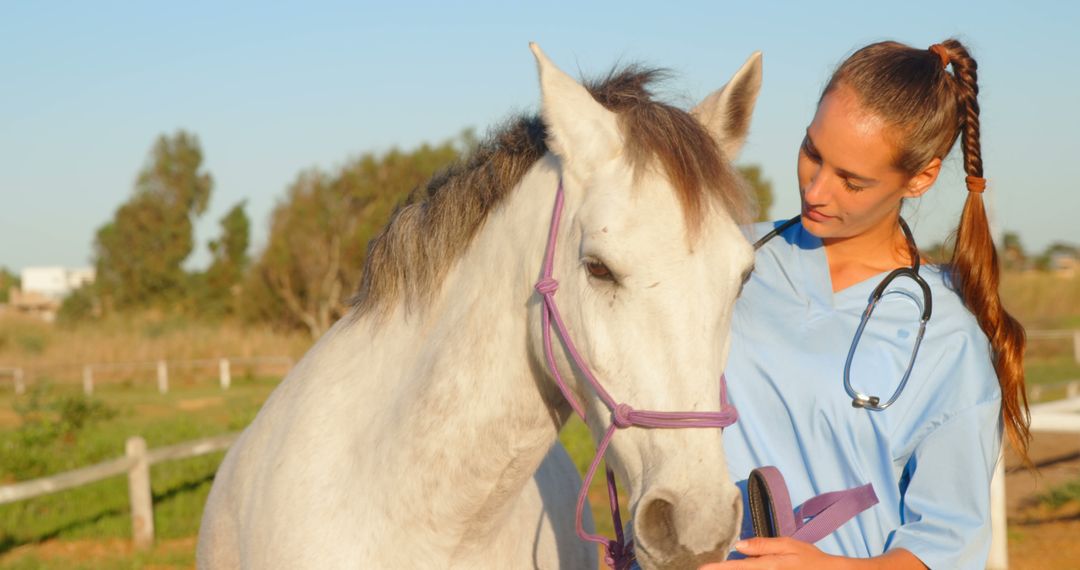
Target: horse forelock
{"type": "Point", "coordinates": [656, 133]}
{"type": "Point", "coordinates": [432, 228]}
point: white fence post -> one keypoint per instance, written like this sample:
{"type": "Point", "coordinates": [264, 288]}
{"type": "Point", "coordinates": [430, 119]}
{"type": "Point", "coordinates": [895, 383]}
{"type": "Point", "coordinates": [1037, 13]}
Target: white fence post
{"type": "Point", "coordinates": [224, 373]}
{"type": "Point", "coordinates": [999, 539]}
{"type": "Point", "coordinates": [162, 377]}
{"type": "Point", "coordinates": [88, 380]}
{"type": "Point", "coordinates": [1076, 345]}
{"type": "Point", "coordinates": [142, 504]}
{"type": "Point", "coordinates": [20, 387]}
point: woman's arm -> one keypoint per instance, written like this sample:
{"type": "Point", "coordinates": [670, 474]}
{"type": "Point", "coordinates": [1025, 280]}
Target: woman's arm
{"type": "Point", "coordinates": [790, 553]}
{"type": "Point", "coordinates": [946, 505]}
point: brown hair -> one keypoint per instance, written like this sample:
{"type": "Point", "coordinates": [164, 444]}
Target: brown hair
{"type": "Point", "coordinates": [410, 256]}
{"type": "Point", "coordinates": [912, 90]}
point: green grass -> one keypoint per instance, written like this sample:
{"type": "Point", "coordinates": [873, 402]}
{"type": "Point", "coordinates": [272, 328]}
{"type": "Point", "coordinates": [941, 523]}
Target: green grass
{"type": "Point", "coordinates": [154, 559]}
{"type": "Point", "coordinates": [48, 441]}
{"type": "Point", "coordinates": [1050, 370]}
{"type": "Point", "coordinates": [100, 511]}
{"type": "Point", "coordinates": [1061, 495]}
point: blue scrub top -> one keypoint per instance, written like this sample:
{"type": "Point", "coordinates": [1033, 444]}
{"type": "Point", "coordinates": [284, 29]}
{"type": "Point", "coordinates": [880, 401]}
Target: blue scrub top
{"type": "Point", "coordinates": [930, 456]}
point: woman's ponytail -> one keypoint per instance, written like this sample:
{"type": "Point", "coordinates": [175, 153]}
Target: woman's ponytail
{"type": "Point", "coordinates": [974, 267]}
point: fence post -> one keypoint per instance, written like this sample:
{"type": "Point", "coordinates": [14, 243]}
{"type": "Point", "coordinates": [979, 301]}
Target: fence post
{"type": "Point", "coordinates": [162, 377]}
{"type": "Point", "coordinates": [1035, 393]}
{"type": "Point", "coordinates": [142, 505]}
{"type": "Point", "coordinates": [88, 380]}
{"type": "Point", "coordinates": [999, 539]}
{"type": "Point", "coordinates": [1076, 345]}
{"type": "Point", "coordinates": [20, 387]}
{"type": "Point", "coordinates": [1072, 390]}
{"type": "Point", "coordinates": [224, 373]}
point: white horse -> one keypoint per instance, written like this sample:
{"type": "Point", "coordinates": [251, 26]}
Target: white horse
{"type": "Point", "coordinates": [419, 431]}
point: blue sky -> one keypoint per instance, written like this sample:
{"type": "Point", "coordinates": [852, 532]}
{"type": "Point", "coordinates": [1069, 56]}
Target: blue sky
{"type": "Point", "coordinates": [272, 88]}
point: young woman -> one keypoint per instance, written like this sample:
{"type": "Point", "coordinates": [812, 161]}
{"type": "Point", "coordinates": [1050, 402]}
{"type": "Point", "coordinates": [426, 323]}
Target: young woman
{"type": "Point", "coordinates": [886, 120]}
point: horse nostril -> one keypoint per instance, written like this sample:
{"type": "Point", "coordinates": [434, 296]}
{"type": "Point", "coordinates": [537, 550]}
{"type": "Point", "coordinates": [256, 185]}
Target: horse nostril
{"type": "Point", "coordinates": [656, 526]}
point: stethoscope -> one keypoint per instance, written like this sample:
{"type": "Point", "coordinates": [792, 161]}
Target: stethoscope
{"type": "Point", "coordinates": [858, 399]}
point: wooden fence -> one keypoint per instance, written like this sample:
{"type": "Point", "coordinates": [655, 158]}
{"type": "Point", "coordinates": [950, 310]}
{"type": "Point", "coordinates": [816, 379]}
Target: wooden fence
{"type": "Point", "coordinates": [136, 463]}
{"type": "Point", "coordinates": [1067, 388]}
{"type": "Point", "coordinates": [16, 375]}
{"type": "Point", "coordinates": [160, 370]}
{"type": "Point", "coordinates": [1060, 334]}
{"type": "Point", "coordinates": [224, 366]}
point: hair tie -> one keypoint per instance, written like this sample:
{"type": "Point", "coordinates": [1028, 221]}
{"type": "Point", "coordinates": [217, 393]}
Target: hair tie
{"type": "Point", "coordinates": [976, 184]}
{"type": "Point", "coordinates": [941, 52]}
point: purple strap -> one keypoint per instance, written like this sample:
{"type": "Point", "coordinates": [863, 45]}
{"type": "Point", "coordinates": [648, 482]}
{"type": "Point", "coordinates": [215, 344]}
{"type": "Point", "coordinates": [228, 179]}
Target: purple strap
{"type": "Point", "coordinates": [619, 553]}
{"type": "Point", "coordinates": [817, 517]}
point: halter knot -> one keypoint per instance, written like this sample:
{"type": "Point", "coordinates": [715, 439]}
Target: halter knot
{"type": "Point", "coordinates": [620, 416]}
{"type": "Point", "coordinates": [547, 286]}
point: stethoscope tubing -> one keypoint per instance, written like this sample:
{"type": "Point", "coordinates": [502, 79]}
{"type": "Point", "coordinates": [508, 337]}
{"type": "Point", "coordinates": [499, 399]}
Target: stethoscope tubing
{"type": "Point", "coordinates": [858, 399]}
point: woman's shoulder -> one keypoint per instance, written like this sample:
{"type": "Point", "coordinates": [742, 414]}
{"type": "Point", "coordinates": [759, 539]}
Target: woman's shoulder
{"type": "Point", "coordinates": [956, 317]}
{"type": "Point", "coordinates": [955, 339]}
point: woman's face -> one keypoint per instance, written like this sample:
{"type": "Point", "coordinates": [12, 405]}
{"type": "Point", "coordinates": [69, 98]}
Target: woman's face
{"type": "Point", "coordinates": [847, 180]}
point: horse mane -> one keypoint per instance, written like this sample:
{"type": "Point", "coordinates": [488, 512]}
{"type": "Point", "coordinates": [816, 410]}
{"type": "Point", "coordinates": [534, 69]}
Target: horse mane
{"type": "Point", "coordinates": [434, 225]}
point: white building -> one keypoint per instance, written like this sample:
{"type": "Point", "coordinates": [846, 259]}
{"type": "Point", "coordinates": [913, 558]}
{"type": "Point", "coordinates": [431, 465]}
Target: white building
{"type": "Point", "coordinates": [54, 282]}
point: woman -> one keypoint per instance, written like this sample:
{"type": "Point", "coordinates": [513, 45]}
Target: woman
{"type": "Point", "coordinates": [885, 121]}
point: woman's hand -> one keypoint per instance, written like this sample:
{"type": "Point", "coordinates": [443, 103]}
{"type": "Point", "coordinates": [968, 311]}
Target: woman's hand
{"type": "Point", "coordinates": [778, 553]}
{"type": "Point", "coordinates": [762, 553]}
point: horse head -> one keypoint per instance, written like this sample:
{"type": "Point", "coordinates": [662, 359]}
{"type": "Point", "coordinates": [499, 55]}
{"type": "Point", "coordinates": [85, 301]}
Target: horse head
{"type": "Point", "coordinates": [649, 260]}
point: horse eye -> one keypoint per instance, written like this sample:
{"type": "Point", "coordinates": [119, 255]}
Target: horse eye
{"type": "Point", "coordinates": [599, 270]}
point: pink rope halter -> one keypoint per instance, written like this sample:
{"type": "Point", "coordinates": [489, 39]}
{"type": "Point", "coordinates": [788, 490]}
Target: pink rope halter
{"type": "Point", "coordinates": [619, 553]}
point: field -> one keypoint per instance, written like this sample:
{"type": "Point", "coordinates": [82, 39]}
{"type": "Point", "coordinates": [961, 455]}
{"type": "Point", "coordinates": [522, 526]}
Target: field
{"type": "Point", "coordinates": [53, 428]}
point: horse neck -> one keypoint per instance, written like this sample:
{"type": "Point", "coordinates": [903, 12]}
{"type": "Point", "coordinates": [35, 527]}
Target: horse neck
{"type": "Point", "coordinates": [472, 410]}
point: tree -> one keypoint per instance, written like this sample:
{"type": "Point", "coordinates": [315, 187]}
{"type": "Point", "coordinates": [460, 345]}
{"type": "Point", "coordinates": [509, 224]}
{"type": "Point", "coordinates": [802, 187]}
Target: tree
{"type": "Point", "coordinates": [230, 261]}
{"type": "Point", "coordinates": [8, 281]}
{"type": "Point", "coordinates": [1056, 255]}
{"type": "Point", "coordinates": [1013, 257]}
{"type": "Point", "coordinates": [139, 254]}
{"type": "Point", "coordinates": [80, 305]}
{"type": "Point", "coordinates": [762, 189]}
{"type": "Point", "coordinates": [319, 233]}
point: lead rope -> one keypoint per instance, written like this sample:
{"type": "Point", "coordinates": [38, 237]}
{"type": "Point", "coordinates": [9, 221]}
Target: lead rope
{"type": "Point", "coordinates": [618, 552]}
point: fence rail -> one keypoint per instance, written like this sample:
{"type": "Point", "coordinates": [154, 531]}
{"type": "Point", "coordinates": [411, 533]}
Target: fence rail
{"type": "Point", "coordinates": [136, 463]}
{"type": "Point", "coordinates": [1071, 388]}
{"type": "Point", "coordinates": [1056, 334]}
{"type": "Point", "coordinates": [160, 367]}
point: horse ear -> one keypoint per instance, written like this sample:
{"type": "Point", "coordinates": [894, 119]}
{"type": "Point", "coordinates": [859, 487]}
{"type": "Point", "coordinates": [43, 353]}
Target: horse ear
{"type": "Point", "coordinates": [726, 112]}
{"type": "Point", "coordinates": [579, 129]}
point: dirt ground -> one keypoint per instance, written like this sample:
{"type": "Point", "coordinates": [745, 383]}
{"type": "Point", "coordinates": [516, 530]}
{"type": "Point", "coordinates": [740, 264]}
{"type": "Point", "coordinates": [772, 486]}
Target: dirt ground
{"type": "Point", "coordinates": [1039, 537]}
{"type": "Point", "coordinates": [107, 553]}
